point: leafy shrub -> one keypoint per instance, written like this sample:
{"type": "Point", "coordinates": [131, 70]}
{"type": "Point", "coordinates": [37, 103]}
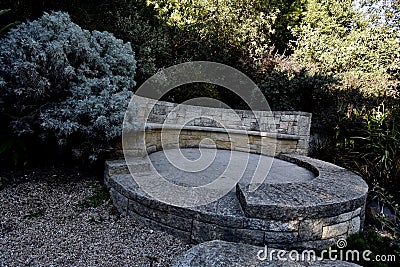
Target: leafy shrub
{"type": "Point", "coordinates": [157, 45]}
{"type": "Point", "coordinates": [378, 145]}
{"type": "Point", "coordinates": [372, 241]}
{"type": "Point", "coordinates": [293, 86]}
{"type": "Point", "coordinates": [281, 91]}
{"type": "Point", "coordinates": [4, 28]}
{"type": "Point", "coordinates": [360, 49]}
{"type": "Point", "coordinates": [388, 217]}
{"type": "Point", "coordinates": [246, 24]}
{"type": "Point", "coordinates": [59, 79]}
{"type": "Point", "coordinates": [151, 42]}
{"type": "Point", "coordinates": [362, 53]}
{"type": "Point", "coordinates": [99, 196]}
{"type": "Point", "coordinates": [251, 26]}
{"type": "Point", "coordinates": [132, 21]}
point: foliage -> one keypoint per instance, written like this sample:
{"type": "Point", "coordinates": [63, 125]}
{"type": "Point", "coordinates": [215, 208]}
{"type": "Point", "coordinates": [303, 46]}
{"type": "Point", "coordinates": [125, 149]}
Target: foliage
{"type": "Point", "coordinates": [379, 145]}
{"type": "Point", "coordinates": [386, 222]}
{"type": "Point", "coordinates": [99, 196]}
{"type": "Point", "coordinates": [238, 33]}
{"type": "Point", "coordinates": [157, 45]}
{"type": "Point", "coordinates": [290, 16]}
{"type": "Point", "coordinates": [242, 24]}
{"type": "Point", "coordinates": [74, 84]}
{"type": "Point", "coordinates": [364, 137]}
{"type": "Point", "coordinates": [338, 39]}
{"type": "Point", "coordinates": [130, 20]}
{"type": "Point", "coordinates": [293, 86]}
{"type": "Point", "coordinates": [377, 244]}
{"type": "Point", "coordinates": [362, 53]}
{"type": "Point", "coordinates": [3, 29]}
{"type": "Point", "coordinates": [151, 42]}
{"type": "Point", "coordinates": [387, 12]}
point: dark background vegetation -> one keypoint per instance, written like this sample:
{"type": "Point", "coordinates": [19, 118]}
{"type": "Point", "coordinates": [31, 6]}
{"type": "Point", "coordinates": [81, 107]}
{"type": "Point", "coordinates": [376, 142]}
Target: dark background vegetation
{"type": "Point", "coordinates": [327, 57]}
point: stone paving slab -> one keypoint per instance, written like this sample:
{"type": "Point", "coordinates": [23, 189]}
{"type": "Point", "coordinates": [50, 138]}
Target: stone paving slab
{"type": "Point", "coordinates": [220, 254]}
{"type": "Point", "coordinates": [279, 173]}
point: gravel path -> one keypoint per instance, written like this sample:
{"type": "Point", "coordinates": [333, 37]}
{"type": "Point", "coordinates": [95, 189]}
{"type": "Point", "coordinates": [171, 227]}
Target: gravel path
{"type": "Point", "coordinates": [44, 223]}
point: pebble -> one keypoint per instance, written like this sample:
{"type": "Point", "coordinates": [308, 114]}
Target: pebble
{"type": "Point", "coordinates": [63, 234]}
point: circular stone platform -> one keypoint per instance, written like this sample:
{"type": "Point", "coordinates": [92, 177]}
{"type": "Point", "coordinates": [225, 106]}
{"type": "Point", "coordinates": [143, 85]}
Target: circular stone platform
{"type": "Point", "coordinates": [280, 172]}
{"type": "Point", "coordinates": [303, 203]}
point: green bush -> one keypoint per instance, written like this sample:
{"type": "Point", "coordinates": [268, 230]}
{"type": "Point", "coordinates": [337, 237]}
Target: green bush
{"type": "Point", "coordinates": [386, 221]}
{"type": "Point", "coordinates": [58, 79]}
{"type": "Point", "coordinates": [292, 86]}
{"type": "Point", "coordinates": [362, 53]}
{"type": "Point", "coordinates": [372, 241]}
{"type": "Point", "coordinates": [151, 42]}
{"type": "Point", "coordinates": [245, 24]}
{"type": "Point", "coordinates": [4, 28]}
{"type": "Point", "coordinates": [378, 145]}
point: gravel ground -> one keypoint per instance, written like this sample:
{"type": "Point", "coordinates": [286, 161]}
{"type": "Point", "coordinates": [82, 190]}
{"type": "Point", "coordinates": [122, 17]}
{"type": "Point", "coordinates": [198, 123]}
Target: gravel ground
{"type": "Point", "coordinates": [48, 223]}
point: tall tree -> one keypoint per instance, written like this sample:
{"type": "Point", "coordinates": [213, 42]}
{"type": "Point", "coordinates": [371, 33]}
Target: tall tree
{"type": "Point", "coordinates": [340, 39]}
{"type": "Point", "coordinates": [250, 25]}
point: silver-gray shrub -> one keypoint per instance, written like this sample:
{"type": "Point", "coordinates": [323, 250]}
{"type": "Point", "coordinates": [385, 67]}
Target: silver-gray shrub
{"type": "Point", "coordinates": [58, 78]}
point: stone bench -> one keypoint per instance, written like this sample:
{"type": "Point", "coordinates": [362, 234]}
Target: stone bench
{"type": "Point", "coordinates": [262, 132]}
{"type": "Point", "coordinates": [232, 139]}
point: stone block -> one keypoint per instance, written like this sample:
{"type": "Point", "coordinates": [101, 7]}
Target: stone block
{"type": "Point", "coordinates": [342, 217]}
{"type": "Point", "coordinates": [281, 237]}
{"type": "Point", "coordinates": [223, 144]}
{"type": "Point", "coordinates": [220, 254]}
{"type": "Point", "coordinates": [162, 217]}
{"type": "Point", "coordinates": [183, 235]}
{"type": "Point", "coordinates": [250, 236]}
{"type": "Point", "coordinates": [310, 229]}
{"type": "Point", "coordinates": [354, 225]}
{"type": "Point", "coordinates": [202, 232]}
{"type": "Point", "coordinates": [271, 225]}
{"type": "Point", "coordinates": [116, 167]}
{"type": "Point", "coordinates": [119, 200]}
{"type": "Point", "coordinates": [335, 230]}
